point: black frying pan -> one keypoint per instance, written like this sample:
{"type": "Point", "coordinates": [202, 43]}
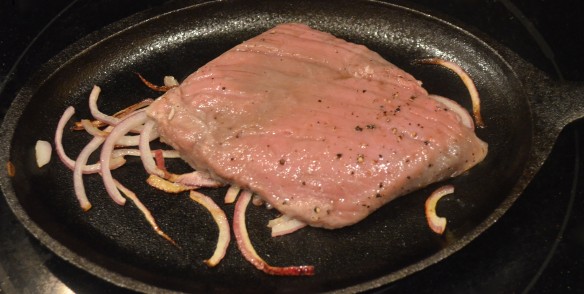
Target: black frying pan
{"type": "Point", "coordinates": [524, 112]}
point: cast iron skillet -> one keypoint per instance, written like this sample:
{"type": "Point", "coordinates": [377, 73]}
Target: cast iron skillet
{"type": "Point", "coordinates": [523, 109]}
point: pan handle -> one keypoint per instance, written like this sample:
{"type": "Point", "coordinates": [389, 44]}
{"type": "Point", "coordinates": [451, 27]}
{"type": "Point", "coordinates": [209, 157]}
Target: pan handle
{"type": "Point", "coordinates": [555, 103]}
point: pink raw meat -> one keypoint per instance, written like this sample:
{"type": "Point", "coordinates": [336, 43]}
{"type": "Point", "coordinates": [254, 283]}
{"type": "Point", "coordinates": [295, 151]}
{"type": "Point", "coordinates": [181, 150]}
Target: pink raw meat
{"type": "Point", "coordinates": [324, 130]}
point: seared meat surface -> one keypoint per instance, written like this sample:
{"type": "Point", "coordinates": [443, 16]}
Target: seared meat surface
{"type": "Point", "coordinates": [325, 130]}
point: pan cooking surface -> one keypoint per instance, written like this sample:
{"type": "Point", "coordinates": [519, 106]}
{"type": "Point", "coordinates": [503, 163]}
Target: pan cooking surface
{"type": "Point", "coordinates": [117, 244]}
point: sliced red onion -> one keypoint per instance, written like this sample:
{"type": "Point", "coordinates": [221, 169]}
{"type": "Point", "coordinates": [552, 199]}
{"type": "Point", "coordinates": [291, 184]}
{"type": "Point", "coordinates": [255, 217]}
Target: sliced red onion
{"type": "Point", "coordinates": [472, 89]}
{"type": "Point", "coordinates": [93, 130]}
{"type": "Point", "coordinates": [120, 114]}
{"type": "Point", "coordinates": [113, 120]}
{"type": "Point", "coordinates": [70, 163]}
{"type": "Point", "coordinates": [436, 223]}
{"type": "Point", "coordinates": [222, 223]}
{"type": "Point", "coordinates": [247, 250]}
{"type": "Point", "coordinates": [146, 153]}
{"type": "Point", "coordinates": [465, 118]}
{"type": "Point", "coordinates": [160, 162]}
{"type": "Point", "coordinates": [133, 108]}
{"type": "Point", "coordinates": [120, 130]}
{"type": "Point", "coordinates": [147, 214]}
{"type": "Point", "coordinates": [124, 141]}
{"type": "Point", "coordinates": [129, 141]}
{"type": "Point", "coordinates": [136, 152]}
{"type": "Point", "coordinates": [168, 84]}
{"type": "Point", "coordinates": [95, 112]}
{"type": "Point", "coordinates": [80, 164]}
{"type": "Point", "coordinates": [170, 81]}
{"type": "Point", "coordinates": [193, 179]}
{"type": "Point", "coordinates": [285, 225]}
{"type": "Point", "coordinates": [43, 150]}
{"type": "Point", "coordinates": [231, 194]}
{"type": "Point", "coordinates": [197, 179]}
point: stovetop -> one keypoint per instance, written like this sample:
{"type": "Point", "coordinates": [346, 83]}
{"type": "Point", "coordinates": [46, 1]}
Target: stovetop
{"type": "Point", "coordinates": [537, 246]}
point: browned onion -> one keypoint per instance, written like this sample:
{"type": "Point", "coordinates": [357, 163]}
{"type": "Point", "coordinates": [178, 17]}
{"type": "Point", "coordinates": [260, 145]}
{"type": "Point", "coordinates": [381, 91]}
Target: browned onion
{"type": "Point", "coordinates": [247, 250]}
{"type": "Point", "coordinates": [166, 186]}
{"type": "Point", "coordinates": [222, 223]}
{"type": "Point", "coordinates": [10, 169]}
{"type": "Point", "coordinates": [147, 214]}
{"type": "Point", "coordinates": [169, 84]}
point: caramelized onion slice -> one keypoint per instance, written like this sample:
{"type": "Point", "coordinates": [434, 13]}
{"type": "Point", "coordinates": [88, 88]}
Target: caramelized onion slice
{"type": "Point", "coordinates": [166, 186]}
{"type": "Point", "coordinates": [168, 83]}
{"type": "Point", "coordinates": [10, 169]}
{"type": "Point", "coordinates": [436, 223]}
{"type": "Point", "coordinates": [147, 214]}
{"type": "Point", "coordinates": [247, 250]}
{"type": "Point", "coordinates": [222, 223]}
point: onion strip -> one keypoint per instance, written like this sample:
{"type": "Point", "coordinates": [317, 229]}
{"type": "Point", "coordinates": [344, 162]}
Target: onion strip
{"type": "Point", "coordinates": [170, 81]}
{"type": "Point", "coordinates": [43, 150]}
{"type": "Point", "coordinates": [95, 112]}
{"type": "Point", "coordinates": [284, 225]}
{"type": "Point", "coordinates": [465, 118]}
{"type": "Point", "coordinates": [146, 153]}
{"type": "Point", "coordinates": [67, 161]}
{"type": "Point", "coordinates": [147, 214]}
{"type": "Point", "coordinates": [195, 179]}
{"type": "Point", "coordinates": [231, 194]}
{"type": "Point", "coordinates": [120, 114]}
{"type": "Point", "coordinates": [120, 130]}
{"type": "Point", "coordinates": [168, 84]}
{"type": "Point", "coordinates": [436, 223]}
{"type": "Point", "coordinates": [78, 184]}
{"type": "Point", "coordinates": [472, 89]}
{"type": "Point", "coordinates": [70, 163]}
{"type": "Point", "coordinates": [247, 250]}
{"type": "Point", "coordinates": [222, 223]}
{"type": "Point", "coordinates": [136, 152]}
{"type": "Point", "coordinates": [166, 186]}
